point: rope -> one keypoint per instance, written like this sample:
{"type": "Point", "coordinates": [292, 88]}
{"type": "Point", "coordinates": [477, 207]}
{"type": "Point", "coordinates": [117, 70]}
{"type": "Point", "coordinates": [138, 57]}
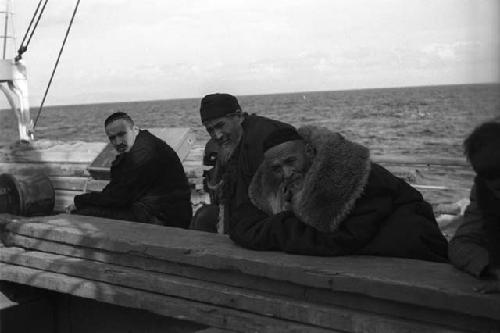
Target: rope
{"type": "Point", "coordinates": [57, 61]}
{"type": "Point", "coordinates": [38, 15]}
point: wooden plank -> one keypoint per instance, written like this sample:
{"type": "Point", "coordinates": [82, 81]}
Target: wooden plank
{"type": "Point", "coordinates": [201, 291]}
{"type": "Point", "coordinates": [213, 330]}
{"type": "Point", "coordinates": [63, 199]}
{"type": "Point", "coordinates": [78, 184]}
{"type": "Point", "coordinates": [416, 160]}
{"type": "Point", "coordinates": [164, 305]}
{"type": "Point", "coordinates": [69, 183]}
{"type": "Point", "coordinates": [49, 151]}
{"type": "Point", "coordinates": [431, 285]}
{"type": "Point", "coordinates": [265, 285]}
{"type": "Point", "coordinates": [90, 184]}
{"type": "Point", "coordinates": [50, 169]}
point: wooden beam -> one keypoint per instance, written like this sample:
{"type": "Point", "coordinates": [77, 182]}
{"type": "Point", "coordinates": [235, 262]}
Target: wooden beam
{"type": "Point", "coordinates": [332, 317]}
{"type": "Point", "coordinates": [400, 280]}
{"type": "Point", "coordinates": [423, 161]}
{"type": "Point", "coordinates": [267, 286]}
{"type": "Point", "coordinates": [207, 314]}
{"type": "Point", "coordinates": [50, 169]}
{"type": "Point", "coordinates": [48, 151]}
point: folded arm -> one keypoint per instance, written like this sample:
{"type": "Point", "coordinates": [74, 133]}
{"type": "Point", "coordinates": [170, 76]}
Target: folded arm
{"type": "Point", "coordinates": [138, 174]}
{"type": "Point", "coordinates": [254, 229]}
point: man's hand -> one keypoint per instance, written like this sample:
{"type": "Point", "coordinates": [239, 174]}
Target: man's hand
{"type": "Point", "coordinates": [70, 209]}
{"type": "Point", "coordinates": [281, 201]}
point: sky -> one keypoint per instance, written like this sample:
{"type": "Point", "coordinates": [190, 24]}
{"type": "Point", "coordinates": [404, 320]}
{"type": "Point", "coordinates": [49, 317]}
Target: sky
{"type": "Point", "coordinates": [122, 50]}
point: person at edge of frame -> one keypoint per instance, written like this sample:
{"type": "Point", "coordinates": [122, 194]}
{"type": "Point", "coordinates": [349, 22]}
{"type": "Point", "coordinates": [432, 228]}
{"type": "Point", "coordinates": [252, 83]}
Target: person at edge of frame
{"type": "Point", "coordinates": [147, 184]}
{"type": "Point", "coordinates": [475, 247]}
{"type": "Point", "coordinates": [317, 193]}
{"type": "Point", "coordinates": [238, 137]}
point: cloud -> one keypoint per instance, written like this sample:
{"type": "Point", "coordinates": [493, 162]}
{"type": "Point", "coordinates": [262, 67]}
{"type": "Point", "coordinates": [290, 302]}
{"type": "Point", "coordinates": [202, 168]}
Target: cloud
{"type": "Point", "coordinates": [166, 49]}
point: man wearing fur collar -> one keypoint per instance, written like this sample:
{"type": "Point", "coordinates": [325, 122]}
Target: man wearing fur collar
{"type": "Point", "coordinates": [317, 193]}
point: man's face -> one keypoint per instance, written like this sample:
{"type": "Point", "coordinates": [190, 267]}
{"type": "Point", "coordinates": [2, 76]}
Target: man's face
{"type": "Point", "coordinates": [289, 163]}
{"type": "Point", "coordinates": [121, 134]}
{"type": "Point", "coordinates": [225, 131]}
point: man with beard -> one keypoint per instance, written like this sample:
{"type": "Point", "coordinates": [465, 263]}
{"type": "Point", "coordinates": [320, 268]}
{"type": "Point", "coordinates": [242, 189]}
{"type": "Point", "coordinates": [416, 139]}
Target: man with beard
{"type": "Point", "coordinates": [317, 193]}
{"type": "Point", "coordinates": [239, 139]}
{"type": "Point", "coordinates": [148, 183]}
{"type": "Point", "coordinates": [475, 247]}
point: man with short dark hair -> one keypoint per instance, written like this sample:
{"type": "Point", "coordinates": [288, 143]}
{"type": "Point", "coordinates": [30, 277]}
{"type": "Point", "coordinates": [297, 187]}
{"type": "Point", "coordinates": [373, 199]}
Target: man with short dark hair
{"type": "Point", "coordinates": [317, 193]}
{"type": "Point", "coordinates": [148, 183]}
{"type": "Point", "coordinates": [475, 247]}
{"type": "Point", "coordinates": [239, 139]}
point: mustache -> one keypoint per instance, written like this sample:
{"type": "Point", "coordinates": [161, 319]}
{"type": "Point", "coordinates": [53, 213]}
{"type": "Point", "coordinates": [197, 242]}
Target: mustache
{"type": "Point", "coordinates": [292, 180]}
{"type": "Point", "coordinates": [291, 186]}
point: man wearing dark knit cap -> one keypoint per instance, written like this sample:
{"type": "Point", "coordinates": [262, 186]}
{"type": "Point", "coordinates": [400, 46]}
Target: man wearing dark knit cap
{"type": "Point", "coordinates": [475, 247]}
{"type": "Point", "coordinates": [317, 193]}
{"type": "Point", "coordinates": [239, 139]}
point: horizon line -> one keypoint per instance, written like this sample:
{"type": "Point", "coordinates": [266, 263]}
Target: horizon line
{"type": "Point", "coordinates": [277, 93]}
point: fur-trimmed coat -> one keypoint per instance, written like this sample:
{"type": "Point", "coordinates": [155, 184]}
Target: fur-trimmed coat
{"type": "Point", "coordinates": [348, 205]}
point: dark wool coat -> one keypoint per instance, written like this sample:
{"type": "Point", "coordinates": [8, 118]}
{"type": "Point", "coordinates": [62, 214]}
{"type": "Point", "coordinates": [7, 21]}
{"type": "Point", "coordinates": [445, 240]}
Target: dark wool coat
{"type": "Point", "coordinates": [476, 243]}
{"type": "Point", "coordinates": [348, 206]}
{"type": "Point", "coordinates": [241, 167]}
{"type": "Point", "coordinates": [150, 173]}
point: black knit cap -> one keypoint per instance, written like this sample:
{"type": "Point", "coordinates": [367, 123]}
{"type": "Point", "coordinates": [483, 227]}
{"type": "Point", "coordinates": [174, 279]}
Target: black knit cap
{"type": "Point", "coordinates": [279, 136]}
{"type": "Point", "coordinates": [482, 148]}
{"type": "Point", "coordinates": [218, 105]}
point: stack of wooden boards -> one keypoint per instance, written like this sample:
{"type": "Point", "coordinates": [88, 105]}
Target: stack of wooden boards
{"type": "Point", "coordinates": [207, 279]}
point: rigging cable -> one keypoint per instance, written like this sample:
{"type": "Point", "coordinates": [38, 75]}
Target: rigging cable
{"type": "Point", "coordinates": [23, 47]}
{"type": "Point", "coordinates": [57, 61]}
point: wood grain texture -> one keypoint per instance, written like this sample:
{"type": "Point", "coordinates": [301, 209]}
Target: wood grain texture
{"type": "Point", "coordinates": [333, 317]}
{"type": "Point", "coordinates": [431, 285]}
{"type": "Point", "coordinates": [207, 314]}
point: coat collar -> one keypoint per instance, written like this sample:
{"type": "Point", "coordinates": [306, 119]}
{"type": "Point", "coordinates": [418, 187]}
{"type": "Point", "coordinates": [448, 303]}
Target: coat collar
{"type": "Point", "coordinates": [334, 182]}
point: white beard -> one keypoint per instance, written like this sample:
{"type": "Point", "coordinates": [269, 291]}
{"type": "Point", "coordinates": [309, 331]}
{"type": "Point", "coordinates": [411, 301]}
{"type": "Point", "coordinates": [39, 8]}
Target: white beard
{"type": "Point", "coordinates": [225, 153]}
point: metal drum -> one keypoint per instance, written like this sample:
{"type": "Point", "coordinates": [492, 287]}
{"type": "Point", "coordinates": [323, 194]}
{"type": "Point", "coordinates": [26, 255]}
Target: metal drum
{"type": "Point", "coordinates": [27, 195]}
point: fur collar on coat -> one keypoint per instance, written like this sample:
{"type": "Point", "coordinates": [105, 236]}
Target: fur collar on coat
{"type": "Point", "coordinates": [335, 180]}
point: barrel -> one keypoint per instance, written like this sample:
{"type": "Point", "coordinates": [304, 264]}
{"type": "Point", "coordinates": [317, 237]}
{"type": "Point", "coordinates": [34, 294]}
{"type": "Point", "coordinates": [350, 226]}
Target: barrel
{"type": "Point", "coordinates": [26, 195]}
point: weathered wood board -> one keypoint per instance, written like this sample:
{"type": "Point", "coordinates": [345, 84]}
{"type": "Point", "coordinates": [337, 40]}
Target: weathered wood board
{"type": "Point", "coordinates": [211, 315]}
{"type": "Point", "coordinates": [332, 317]}
{"type": "Point", "coordinates": [431, 285]}
{"type": "Point", "coordinates": [262, 284]}
{"type": "Point", "coordinates": [49, 151]}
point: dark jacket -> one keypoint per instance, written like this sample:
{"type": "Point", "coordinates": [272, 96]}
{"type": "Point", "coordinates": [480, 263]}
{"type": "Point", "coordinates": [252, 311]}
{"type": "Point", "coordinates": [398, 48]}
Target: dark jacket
{"type": "Point", "coordinates": [239, 170]}
{"type": "Point", "coordinates": [349, 206]}
{"type": "Point", "coordinates": [151, 174]}
{"type": "Point", "coordinates": [472, 248]}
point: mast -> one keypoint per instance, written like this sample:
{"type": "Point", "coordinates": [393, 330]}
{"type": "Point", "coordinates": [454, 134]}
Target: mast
{"type": "Point", "coordinates": [13, 77]}
{"type": "Point", "coordinates": [6, 28]}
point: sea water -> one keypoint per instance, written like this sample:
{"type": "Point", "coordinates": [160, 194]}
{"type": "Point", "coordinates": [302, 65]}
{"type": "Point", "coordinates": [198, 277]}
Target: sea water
{"type": "Point", "coordinates": [422, 121]}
